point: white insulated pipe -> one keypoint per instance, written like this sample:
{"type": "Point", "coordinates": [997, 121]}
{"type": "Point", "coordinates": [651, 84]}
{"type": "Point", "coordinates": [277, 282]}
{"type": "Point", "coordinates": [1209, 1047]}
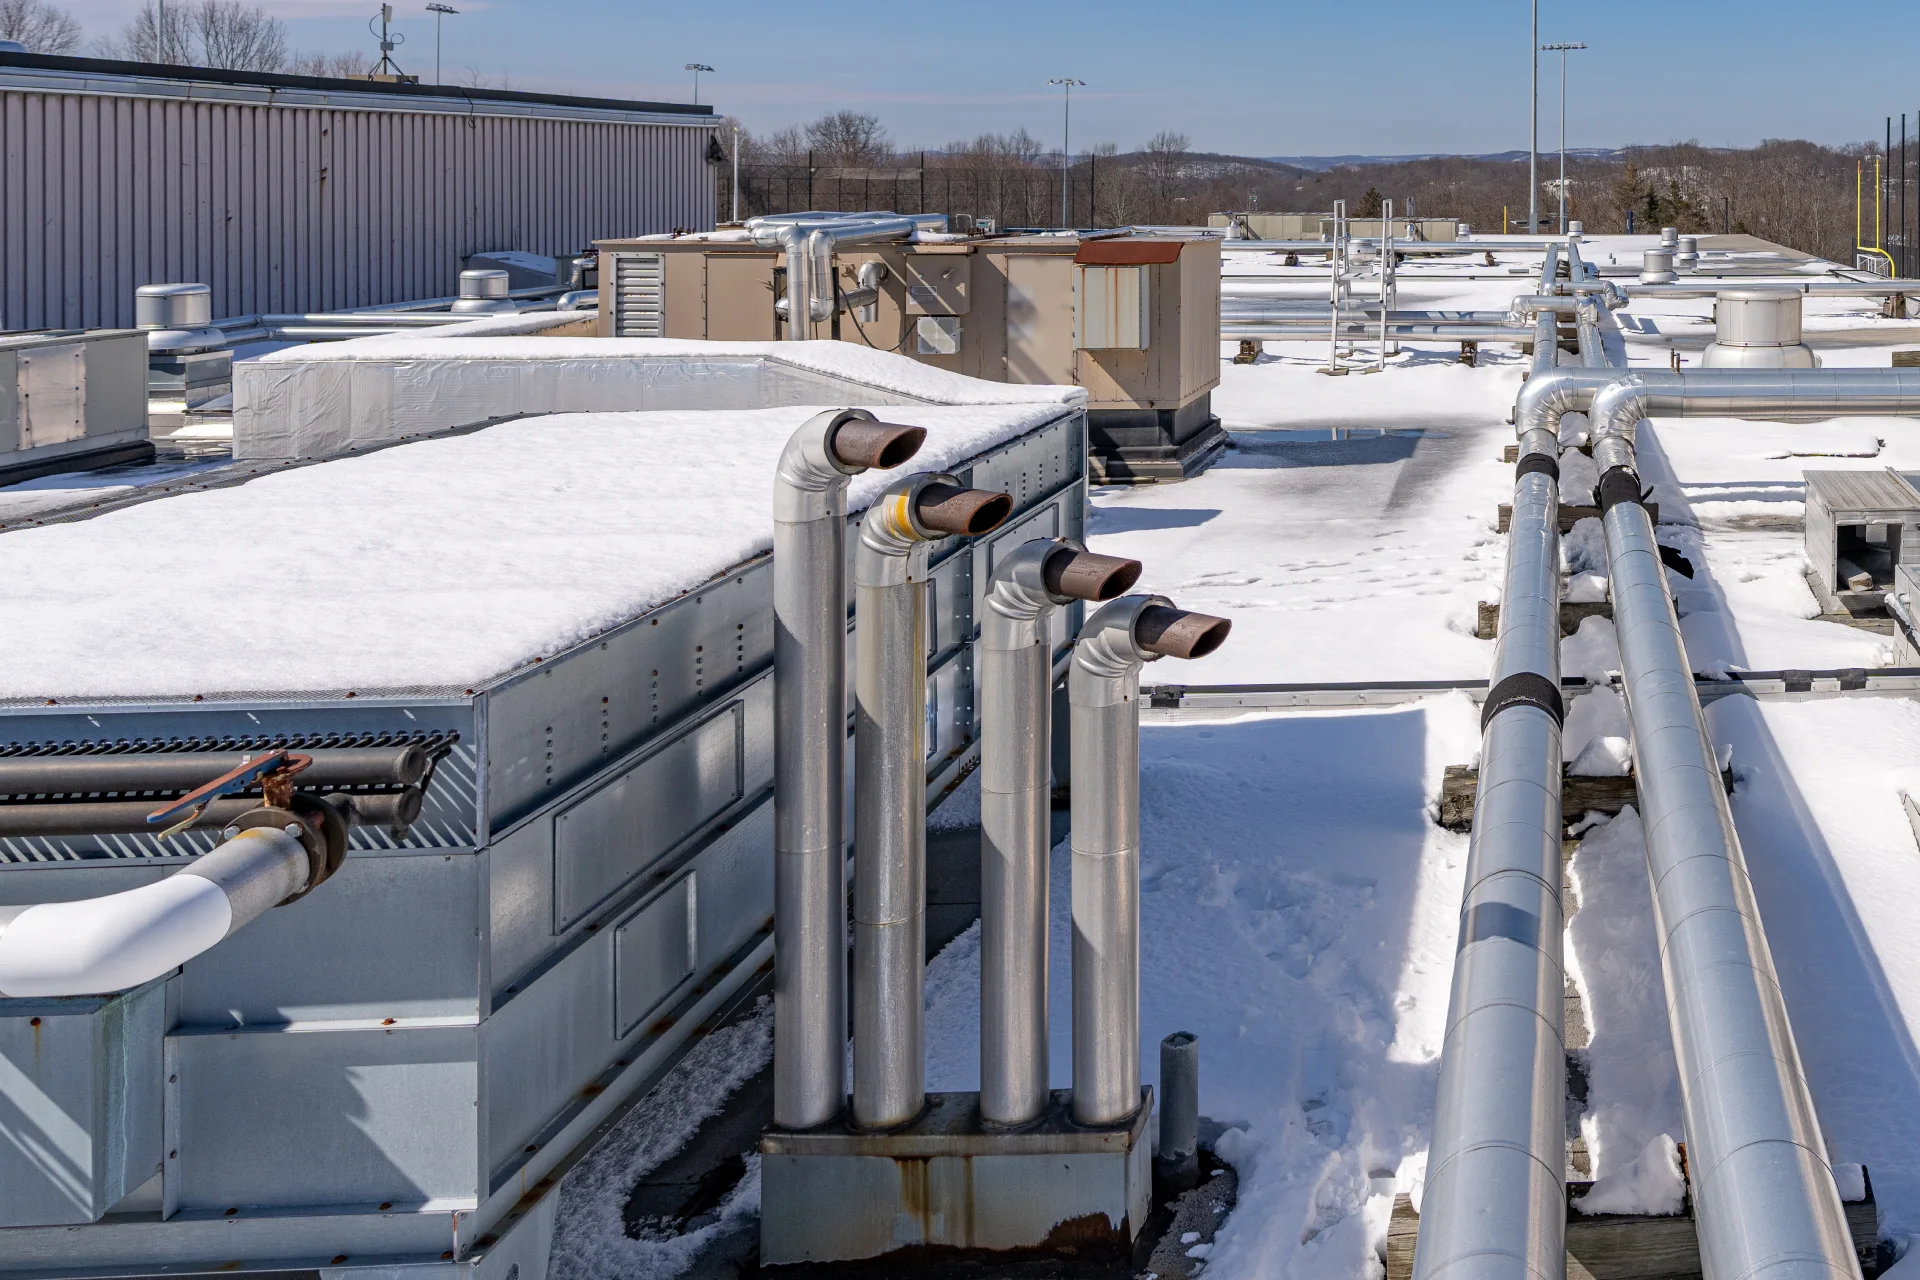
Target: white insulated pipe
{"type": "Point", "coordinates": [1103, 687]}
{"type": "Point", "coordinates": [115, 943]}
{"type": "Point", "coordinates": [1016, 736]}
{"type": "Point", "coordinates": [890, 573]}
{"type": "Point", "coordinates": [809, 746]}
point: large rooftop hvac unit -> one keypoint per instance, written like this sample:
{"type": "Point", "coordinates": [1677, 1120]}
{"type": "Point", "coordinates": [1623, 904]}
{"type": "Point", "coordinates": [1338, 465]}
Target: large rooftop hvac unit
{"type": "Point", "coordinates": [1133, 319]}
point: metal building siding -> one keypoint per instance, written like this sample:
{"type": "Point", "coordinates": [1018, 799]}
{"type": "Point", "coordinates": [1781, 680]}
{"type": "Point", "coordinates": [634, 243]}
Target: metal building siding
{"type": "Point", "coordinates": [289, 207]}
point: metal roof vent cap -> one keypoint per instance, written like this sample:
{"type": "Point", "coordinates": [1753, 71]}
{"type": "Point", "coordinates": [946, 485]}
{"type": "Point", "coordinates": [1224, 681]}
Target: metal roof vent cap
{"type": "Point", "coordinates": [1656, 267]}
{"type": "Point", "coordinates": [483, 290]}
{"type": "Point", "coordinates": [178, 318]}
{"type": "Point", "coordinates": [1758, 329]}
{"type": "Point", "coordinates": [1688, 256]}
{"type": "Point", "coordinates": [1669, 237]}
{"type": "Point", "coordinates": [1576, 228]}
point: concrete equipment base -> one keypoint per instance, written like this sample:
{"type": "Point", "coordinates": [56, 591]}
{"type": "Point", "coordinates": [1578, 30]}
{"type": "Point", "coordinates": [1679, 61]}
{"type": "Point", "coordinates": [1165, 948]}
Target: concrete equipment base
{"type": "Point", "coordinates": [835, 1194]}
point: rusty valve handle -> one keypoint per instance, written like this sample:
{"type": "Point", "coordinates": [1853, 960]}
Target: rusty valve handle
{"type": "Point", "coordinates": [881, 445]}
{"type": "Point", "coordinates": [1175, 633]}
{"type": "Point", "coordinates": [1082, 575]}
{"type": "Point", "coordinates": [949, 509]}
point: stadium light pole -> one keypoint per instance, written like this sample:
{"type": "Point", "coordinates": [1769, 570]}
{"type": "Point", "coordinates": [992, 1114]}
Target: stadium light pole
{"type": "Point", "coordinates": [1533, 133]}
{"type": "Point", "coordinates": [439, 12]}
{"type": "Point", "coordinates": [1066, 84]}
{"type": "Point", "coordinates": [1562, 49]}
{"type": "Point", "coordinates": [697, 68]}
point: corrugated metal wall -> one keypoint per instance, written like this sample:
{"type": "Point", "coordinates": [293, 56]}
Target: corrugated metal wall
{"type": "Point", "coordinates": [307, 208]}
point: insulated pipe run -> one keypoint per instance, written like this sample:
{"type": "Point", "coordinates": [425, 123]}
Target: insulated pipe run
{"type": "Point", "coordinates": [117, 942]}
{"type": "Point", "coordinates": [1763, 394]}
{"type": "Point", "coordinates": [808, 242]}
{"type": "Point", "coordinates": [890, 570]}
{"type": "Point", "coordinates": [1103, 687]}
{"type": "Point", "coordinates": [1016, 737]}
{"type": "Point", "coordinates": [809, 746]}
{"type": "Point", "coordinates": [1764, 1199]}
{"type": "Point", "coordinates": [1495, 1200]}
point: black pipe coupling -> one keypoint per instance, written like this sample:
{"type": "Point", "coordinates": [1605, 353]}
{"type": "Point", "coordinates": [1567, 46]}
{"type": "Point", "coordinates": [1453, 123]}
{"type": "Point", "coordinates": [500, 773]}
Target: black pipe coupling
{"type": "Point", "coordinates": [1537, 464]}
{"type": "Point", "coordinates": [1620, 484]}
{"type": "Point", "coordinates": [1524, 689]}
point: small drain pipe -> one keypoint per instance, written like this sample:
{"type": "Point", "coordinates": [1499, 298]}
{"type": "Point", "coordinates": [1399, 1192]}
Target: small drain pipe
{"type": "Point", "coordinates": [115, 943]}
{"type": "Point", "coordinates": [1495, 1200]}
{"type": "Point", "coordinates": [1016, 737]}
{"type": "Point", "coordinates": [1103, 686]}
{"type": "Point", "coordinates": [890, 784]}
{"type": "Point", "coordinates": [809, 745]}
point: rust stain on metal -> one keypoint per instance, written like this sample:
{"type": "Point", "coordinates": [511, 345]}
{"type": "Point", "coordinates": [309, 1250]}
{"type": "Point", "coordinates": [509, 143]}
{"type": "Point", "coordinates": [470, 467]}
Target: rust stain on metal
{"type": "Point", "coordinates": [1129, 253]}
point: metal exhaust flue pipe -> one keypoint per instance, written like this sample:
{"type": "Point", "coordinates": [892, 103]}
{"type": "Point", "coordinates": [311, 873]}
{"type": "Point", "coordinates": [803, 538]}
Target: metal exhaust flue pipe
{"type": "Point", "coordinates": [809, 745]}
{"type": "Point", "coordinates": [1103, 686]}
{"type": "Point", "coordinates": [890, 571]}
{"type": "Point", "coordinates": [1016, 736]}
{"type": "Point", "coordinates": [1495, 1201]}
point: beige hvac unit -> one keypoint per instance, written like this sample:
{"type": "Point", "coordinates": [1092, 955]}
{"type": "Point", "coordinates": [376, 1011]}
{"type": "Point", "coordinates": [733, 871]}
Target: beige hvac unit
{"type": "Point", "coordinates": [1135, 319]}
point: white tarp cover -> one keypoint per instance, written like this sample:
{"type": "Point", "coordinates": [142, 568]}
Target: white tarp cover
{"type": "Point", "coordinates": [323, 398]}
{"type": "Point", "coordinates": [437, 563]}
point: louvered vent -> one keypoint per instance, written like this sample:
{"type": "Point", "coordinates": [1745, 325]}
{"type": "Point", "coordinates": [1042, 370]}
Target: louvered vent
{"type": "Point", "coordinates": [639, 295]}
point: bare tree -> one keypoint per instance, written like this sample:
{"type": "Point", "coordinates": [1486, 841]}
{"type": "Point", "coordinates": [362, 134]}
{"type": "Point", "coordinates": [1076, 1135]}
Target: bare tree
{"type": "Point", "coordinates": [849, 138]}
{"type": "Point", "coordinates": [329, 65]}
{"type": "Point", "coordinates": [40, 26]}
{"type": "Point", "coordinates": [153, 35]}
{"type": "Point", "coordinates": [237, 36]}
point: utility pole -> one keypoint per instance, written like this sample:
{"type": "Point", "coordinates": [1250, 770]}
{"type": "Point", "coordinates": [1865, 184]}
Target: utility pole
{"type": "Point", "coordinates": [439, 12]}
{"type": "Point", "coordinates": [1067, 83]}
{"type": "Point", "coordinates": [1533, 133]}
{"type": "Point", "coordinates": [1562, 49]}
{"type": "Point", "coordinates": [697, 68]}
{"type": "Point", "coordinates": [736, 173]}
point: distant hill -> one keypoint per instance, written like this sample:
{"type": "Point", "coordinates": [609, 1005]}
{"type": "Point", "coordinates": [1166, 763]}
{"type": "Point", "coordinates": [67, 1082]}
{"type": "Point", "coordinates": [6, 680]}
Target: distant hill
{"type": "Point", "coordinates": [1321, 164]}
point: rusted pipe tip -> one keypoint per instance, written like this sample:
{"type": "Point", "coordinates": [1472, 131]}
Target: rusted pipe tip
{"type": "Point", "coordinates": [947, 508]}
{"type": "Point", "coordinates": [1082, 575]}
{"type": "Point", "coordinates": [857, 443]}
{"type": "Point", "coordinates": [1175, 633]}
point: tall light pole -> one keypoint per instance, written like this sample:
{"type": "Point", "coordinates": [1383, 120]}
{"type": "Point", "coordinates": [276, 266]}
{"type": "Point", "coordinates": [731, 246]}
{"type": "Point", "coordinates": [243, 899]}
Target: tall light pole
{"type": "Point", "coordinates": [1562, 49]}
{"type": "Point", "coordinates": [1066, 84]}
{"type": "Point", "coordinates": [1533, 133]}
{"type": "Point", "coordinates": [439, 12]}
{"type": "Point", "coordinates": [697, 68]}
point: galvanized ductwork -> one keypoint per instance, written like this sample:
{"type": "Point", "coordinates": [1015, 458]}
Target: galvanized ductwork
{"type": "Point", "coordinates": [890, 784]}
{"type": "Point", "coordinates": [809, 241]}
{"type": "Point", "coordinates": [1103, 686]}
{"type": "Point", "coordinates": [1016, 735]}
{"type": "Point", "coordinates": [809, 745]}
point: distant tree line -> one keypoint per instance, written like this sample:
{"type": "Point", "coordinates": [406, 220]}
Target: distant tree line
{"type": "Point", "coordinates": [1795, 193]}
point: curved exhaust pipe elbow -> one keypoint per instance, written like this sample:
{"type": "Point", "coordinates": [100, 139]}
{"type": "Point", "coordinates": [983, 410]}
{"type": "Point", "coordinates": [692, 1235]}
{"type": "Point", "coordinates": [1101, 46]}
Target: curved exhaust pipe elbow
{"type": "Point", "coordinates": [828, 450]}
{"type": "Point", "coordinates": [896, 532]}
{"type": "Point", "coordinates": [1125, 633]}
{"type": "Point", "coordinates": [1035, 577]}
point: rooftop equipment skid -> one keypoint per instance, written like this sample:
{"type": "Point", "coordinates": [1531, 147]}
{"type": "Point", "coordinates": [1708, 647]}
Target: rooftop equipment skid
{"type": "Point", "coordinates": [393, 1072]}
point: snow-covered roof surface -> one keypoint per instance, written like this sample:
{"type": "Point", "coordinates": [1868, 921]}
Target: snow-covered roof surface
{"type": "Point", "coordinates": [439, 563]}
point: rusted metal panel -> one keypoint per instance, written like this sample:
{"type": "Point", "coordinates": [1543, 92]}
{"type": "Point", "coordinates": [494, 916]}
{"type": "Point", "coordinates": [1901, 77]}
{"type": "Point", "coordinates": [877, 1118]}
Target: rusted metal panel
{"type": "Point", "coordinates": [311, 200]}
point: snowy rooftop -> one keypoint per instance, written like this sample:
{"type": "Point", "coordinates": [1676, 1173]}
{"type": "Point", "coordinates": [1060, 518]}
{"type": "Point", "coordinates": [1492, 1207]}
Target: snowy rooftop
{"type": "Point", "coordinates": [439, 563]}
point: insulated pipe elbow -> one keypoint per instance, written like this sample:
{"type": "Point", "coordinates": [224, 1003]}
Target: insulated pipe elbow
{"type": "Point", "coordinates": [117, 942]}
{"type": "Point", "coordinates": [827, 451]}
{"type": "Point", "coordinates": [1029, 582]}
{"type": "Point", "coordinates": [896, 532]}
{"type": "Point", "coordinates": [1551, 393]}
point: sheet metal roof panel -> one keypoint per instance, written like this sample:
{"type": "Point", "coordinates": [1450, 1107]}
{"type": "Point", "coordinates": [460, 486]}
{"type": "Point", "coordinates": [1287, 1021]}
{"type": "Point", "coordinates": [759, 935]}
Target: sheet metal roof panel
{"type": "Point", "coordinates": [1882, 489]}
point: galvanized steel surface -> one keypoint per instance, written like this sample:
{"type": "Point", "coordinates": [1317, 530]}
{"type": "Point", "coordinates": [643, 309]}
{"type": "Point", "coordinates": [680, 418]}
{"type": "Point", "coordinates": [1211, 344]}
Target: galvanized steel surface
{"type": "Point", "coordinates": [279, 206]}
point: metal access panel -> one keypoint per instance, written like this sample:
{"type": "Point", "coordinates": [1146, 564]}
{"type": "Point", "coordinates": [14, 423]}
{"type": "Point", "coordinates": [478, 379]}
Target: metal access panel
{"type": "Point", "coordinates": [1112, 308]}
{"type": "Point", "coordinates": [79, 1104]}
{"type": "Point", "coordinates": [938, 284]}
{"type": "Point", "coordinates": [70, 392]}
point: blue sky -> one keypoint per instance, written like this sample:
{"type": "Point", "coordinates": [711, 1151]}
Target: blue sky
{"type": "Point", "coordinates": [1276, 79]}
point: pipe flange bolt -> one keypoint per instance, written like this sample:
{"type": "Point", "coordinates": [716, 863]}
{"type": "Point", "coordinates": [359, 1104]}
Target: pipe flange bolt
{"type": "Point", "coordinates": [321, 828]}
